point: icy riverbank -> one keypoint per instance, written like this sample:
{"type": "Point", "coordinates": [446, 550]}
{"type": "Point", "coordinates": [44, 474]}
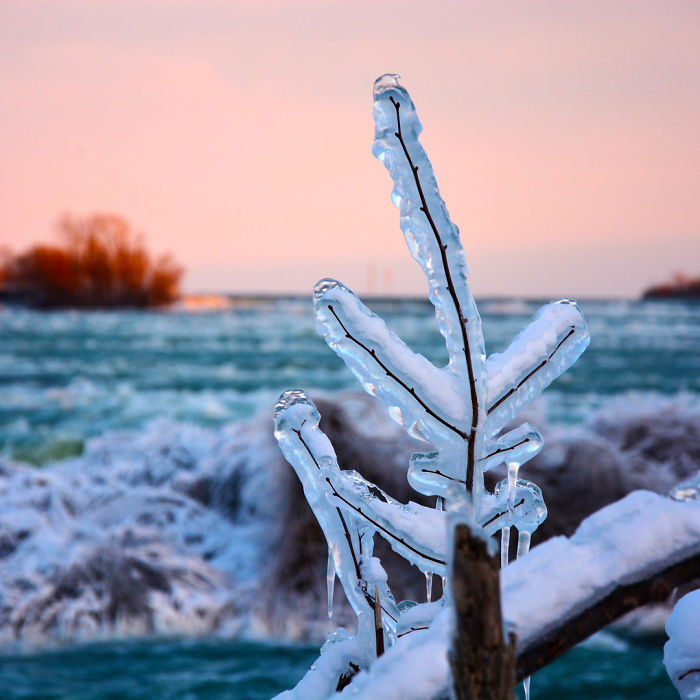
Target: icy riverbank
{"type": "Point", "coordinates": [180, 529]}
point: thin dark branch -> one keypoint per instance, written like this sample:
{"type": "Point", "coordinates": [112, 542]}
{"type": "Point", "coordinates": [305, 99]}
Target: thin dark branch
{"type": "Point", "coordinates": [389, 373]}
{"type": "Point", "coordinates": [453, 294]}
{"type": "Point", "coordinates": [346, 530]}
{"type": "Point", "coordinates": [506, 449]}
{"type": "Point", "coordinates": [371, 601]}
{"type": "Point", "coordinates": [511, 391]}
{"type": "Point", "coordinates": [345, 680]}
{"type": "Point", "coordinates": [412, 629]}
{"type": "Point", "coordinates": [439, 473]}
{"type": "Point", "coordinates": [505, 512]}
{"type": "Point", "coordinates": [688, 673]}
{"type": "Point", "coordinates": [655, 587]}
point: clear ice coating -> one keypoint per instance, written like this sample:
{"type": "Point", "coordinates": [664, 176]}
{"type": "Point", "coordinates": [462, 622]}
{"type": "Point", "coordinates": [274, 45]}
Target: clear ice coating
{"type": "Point", "coordinates": [463, 411]}
{"type": "Point", "coordinates": [505, 546]}
{"type": "Point", "coordinates": [688, 490]}
{"type": "Point", "coordinates": [682, 651]}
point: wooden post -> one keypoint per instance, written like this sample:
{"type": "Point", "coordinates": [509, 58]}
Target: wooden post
{"type": "Point", "coordinates": [482, 662]}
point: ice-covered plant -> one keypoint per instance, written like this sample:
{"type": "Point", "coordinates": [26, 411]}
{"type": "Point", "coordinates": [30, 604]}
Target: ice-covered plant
{"type": "Point", "coordinates": [465, 410]}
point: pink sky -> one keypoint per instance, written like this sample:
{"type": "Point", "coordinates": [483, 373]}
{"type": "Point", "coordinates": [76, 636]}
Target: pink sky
{"type": "Point", "coordinates": [565, 136]}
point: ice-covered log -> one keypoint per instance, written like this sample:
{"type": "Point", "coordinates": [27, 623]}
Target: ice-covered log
{"type": "Point", "coordinates": [632, 541]}
{"type": "Point", "coordinates": [628, 554]}
{"type": "Point", "coordinates": [631, 553]}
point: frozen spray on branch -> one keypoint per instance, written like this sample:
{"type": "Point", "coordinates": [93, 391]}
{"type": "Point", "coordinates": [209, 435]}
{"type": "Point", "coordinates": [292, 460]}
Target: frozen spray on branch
{"type": "Point", "coordinates": [461, 409]}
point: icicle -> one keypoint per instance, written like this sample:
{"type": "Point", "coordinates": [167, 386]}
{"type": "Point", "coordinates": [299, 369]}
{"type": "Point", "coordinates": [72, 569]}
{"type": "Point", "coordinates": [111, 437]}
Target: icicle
{"type": "Point", "coordinates": [523, 543]}
{"type": "Point", "coordinates": [505, 545]}
{"type": "Point", "coordinates": [330, 583]}
{"type": "Point", "coordinates": [513, 468]}
{"type": "Point", "coordinates": [439, 505]}
{"type": "Point", "coordinates": [524, 537]}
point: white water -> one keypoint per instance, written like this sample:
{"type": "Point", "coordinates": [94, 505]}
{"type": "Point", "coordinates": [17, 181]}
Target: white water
{"type": "Point", "coordinates": [138, 494]}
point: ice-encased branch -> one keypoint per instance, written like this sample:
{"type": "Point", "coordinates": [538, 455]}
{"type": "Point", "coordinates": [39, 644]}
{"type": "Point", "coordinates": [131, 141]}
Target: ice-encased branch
{"type": "Point", "coordinates": [518, 445]}
{"type": "Point", "coordinates": [345, 503]}
{"type": "Point", "coordinates": [542, 351]}
{"type": "Point", "coordinates": [311, 454]}
{"type": "Point", "coordinates": [416, 532]}
{"type": "Point", "coordinates": [446, 406]}
{"type": "Point", "coordinates": [432, 238]}
{"type": "Point", "coordinates": [426, 397]}
{"type": "Point", "coordinates": [434, 242]}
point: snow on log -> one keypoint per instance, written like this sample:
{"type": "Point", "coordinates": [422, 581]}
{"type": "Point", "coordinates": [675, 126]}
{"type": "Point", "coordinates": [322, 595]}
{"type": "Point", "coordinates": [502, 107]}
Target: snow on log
{"type": "Point", "coordinates": [626, 555]}
{"type": "Point", "coordinates": [632, 541]}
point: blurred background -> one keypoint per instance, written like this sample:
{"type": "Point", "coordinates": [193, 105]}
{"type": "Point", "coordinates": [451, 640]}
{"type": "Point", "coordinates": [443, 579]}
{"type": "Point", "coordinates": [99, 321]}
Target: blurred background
{"type": "Point", "coordinates": [237, 136]}
{"type": "Point", "coordinates": [177, 177]}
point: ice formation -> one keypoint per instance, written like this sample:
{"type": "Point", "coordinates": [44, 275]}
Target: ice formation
{"type": "Point", "coordinates": [196, 525]}
{"type": "Point", "coordinates": [682, 651]}
{"type": "Point", "coordinates": [463, 410]}
{"type": "Point", "coordinates": [558, 579]}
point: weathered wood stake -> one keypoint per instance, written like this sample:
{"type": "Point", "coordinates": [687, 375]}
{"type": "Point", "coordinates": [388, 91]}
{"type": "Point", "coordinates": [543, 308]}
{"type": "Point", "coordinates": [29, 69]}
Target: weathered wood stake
{"type": "Point", "coordinates": [482, 661]}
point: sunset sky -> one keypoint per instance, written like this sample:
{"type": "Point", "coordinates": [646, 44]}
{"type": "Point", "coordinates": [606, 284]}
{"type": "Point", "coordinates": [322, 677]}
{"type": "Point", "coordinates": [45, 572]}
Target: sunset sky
{"type": "Point", "coordinates": [565, 136]}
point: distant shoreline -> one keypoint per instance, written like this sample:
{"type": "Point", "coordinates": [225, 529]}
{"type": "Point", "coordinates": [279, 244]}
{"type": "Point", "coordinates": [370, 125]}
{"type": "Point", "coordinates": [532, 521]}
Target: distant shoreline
{"type": "Point", "coordinates": [211, 302]}
{"type": "Point", "coordinates": [683, 288]}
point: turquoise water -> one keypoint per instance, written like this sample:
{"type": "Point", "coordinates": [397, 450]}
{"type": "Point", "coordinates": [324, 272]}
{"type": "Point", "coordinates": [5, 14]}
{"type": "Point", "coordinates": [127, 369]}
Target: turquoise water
{"type": "Point", "coordinates": [66, 376]}
{"type": "Point", "coordinates": [194, 670]}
